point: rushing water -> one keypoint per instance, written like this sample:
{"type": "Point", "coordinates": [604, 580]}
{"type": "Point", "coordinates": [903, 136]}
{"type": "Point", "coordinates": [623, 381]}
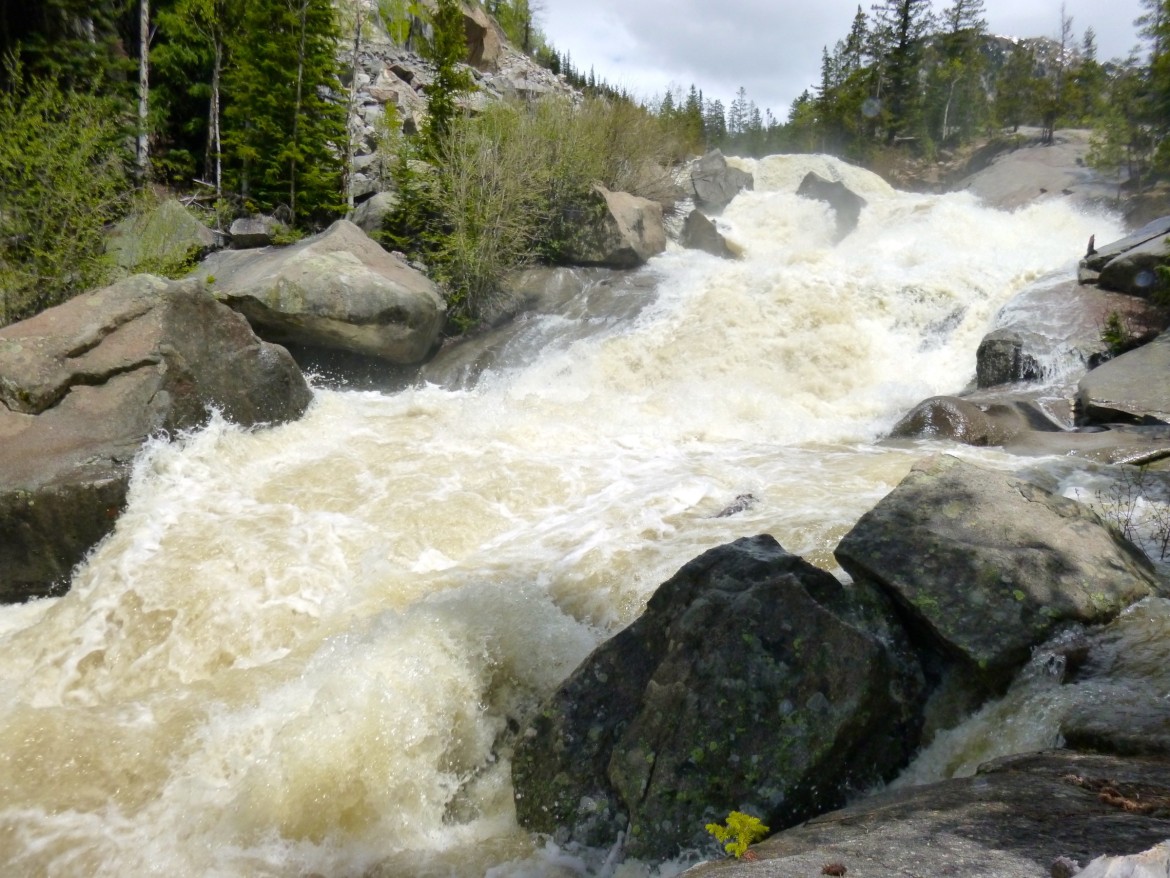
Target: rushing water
{"type": "Point", "coordinates": [303, 648]}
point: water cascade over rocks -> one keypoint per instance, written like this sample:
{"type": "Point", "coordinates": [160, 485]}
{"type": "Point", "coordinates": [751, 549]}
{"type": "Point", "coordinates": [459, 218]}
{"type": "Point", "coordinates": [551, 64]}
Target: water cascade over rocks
{"type": "Point", "coordinates": [309, 649]}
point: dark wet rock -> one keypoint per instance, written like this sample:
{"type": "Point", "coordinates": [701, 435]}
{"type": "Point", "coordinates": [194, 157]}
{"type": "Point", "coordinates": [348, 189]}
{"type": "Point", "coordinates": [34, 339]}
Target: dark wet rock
{"type": "Point", "coordinates": [1001, 358]}
{"type": "Point", "coordinates": [1012, 820]}
{"type": "Point", "coordinates": [699, 233]}
{"type": "Point", "coordinates": [985, 565]}
{"type": "Point", "coordinates": [337, 290]}
{"type": "Point", "coordinates": [616, 230]}
{"type": "Point", "coordinates": [846, 203]}
{"type": "Point", "coordinates": [1131, 388]}
{"type": "Point", "coordinates": [753, 681]}
{"type": "Point", "coordinates": [742, 503]}
{"type": "Point", "coordinates": [961, 420]}
{"type": "Point", "coordinates": [715, 182]}
{"type": "Point", "coordinates": [1114, 696]}
{"type": "Point", "coordinates": [82, 386]}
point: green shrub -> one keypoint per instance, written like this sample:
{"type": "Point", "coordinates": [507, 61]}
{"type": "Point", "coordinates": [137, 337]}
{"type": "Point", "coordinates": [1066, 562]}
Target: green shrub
{"type": "Point", "coordinates": [738, 833]}
{"type": "Point", "coordinates": [63, 163]}
{"type": "Point", "coordinates": [509, 182]}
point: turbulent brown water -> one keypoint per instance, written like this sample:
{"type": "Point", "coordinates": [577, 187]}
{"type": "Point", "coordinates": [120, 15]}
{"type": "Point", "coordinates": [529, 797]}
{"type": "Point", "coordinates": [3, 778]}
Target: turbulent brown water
{"type": "Point", "coordinates": [302, 648]}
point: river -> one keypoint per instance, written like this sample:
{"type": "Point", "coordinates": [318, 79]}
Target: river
{"type": "Point", "coordinates": [303, 649]}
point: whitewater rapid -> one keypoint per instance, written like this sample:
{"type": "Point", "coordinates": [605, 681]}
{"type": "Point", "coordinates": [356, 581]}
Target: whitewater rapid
{"type": "Point", "coordinates": [303, 649]}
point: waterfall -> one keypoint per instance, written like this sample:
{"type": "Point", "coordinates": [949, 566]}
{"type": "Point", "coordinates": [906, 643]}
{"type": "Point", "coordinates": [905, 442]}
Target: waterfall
{"type": "Point", "coordinates": [304, 650]}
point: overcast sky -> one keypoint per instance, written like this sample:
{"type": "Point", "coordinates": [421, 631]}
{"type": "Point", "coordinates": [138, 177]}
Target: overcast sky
{"type": "Point", "coordinates": [770, 47]}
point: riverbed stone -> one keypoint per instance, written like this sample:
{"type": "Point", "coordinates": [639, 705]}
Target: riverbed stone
{"type": "Point", "coordinates": [986, 565]}
{"type": "Point", "coordinates": [337, 290]}
{"type": "Point", "coordinates": [1132, 388]}
{"type": "Point", "coordinates": [1016, 818]}
{"type": "Point", "coordinates": [83, 385]}
{"type": "Point", "coordinates": [753, 681]}
{"type": "Point", "coordinates": [699, 233]}
{"type": "Point", "coordinates": [1002, 358]}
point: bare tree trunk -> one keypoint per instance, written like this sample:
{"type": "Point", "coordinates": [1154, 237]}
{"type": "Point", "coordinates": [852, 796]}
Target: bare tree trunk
{"type": "Point", "coordinates": [292, 162]}
{"type": "Point", "coordinates": [143, 157]}
{"type": "Point", "coordinates": [359, 20]}
{"type": "Point", "coordinates": [214, 130]}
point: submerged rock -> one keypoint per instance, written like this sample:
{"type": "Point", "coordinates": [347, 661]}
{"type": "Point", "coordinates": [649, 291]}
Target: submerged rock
{"type": "Point", "coordinates": [699, 233]}
{"type": "Point", "coordinates": [846, 203]}
{"type": "Point", "coordinates": [1014, 819]}
{"type": "Point", "coordinates": [82, 386]}
{"type": "Point", "coordinates": [754, 681]}
{"type": "Point", "coordinates": [1002, 359]}
{"type": "Point", "coordinates": [337, 290]}
{"type": "Point", "coordinates": [961, 420]}
{"type": "Point", "coordinates": [985, 565]}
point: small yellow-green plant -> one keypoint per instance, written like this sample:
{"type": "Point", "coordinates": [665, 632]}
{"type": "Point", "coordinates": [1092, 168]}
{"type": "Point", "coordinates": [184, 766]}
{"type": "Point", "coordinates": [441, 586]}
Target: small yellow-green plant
{"type": "Point", "coordinates": [738, 832]}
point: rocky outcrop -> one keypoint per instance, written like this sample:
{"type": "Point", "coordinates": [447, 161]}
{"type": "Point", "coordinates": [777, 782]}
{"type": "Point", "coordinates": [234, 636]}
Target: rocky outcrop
{"type": "Point", "coordinates": [699, 233]}
{"type": "Point", "coordinates": [985, 565]}
{"type": "Point", "coordinates": [715, 182]}
{"type": "Point", "coordinates": [83, 384]}
{"type": "Point", "coordinates": [845, 203]}
{"type": "Point", "coordinates": [1095, 262]}
{"type": "Point", "coordinates": [752, 681]}
{"type": "Point", "coordinates": [1136, 270]}
{"type": "Point", "coordinates": [1019, 817]}
{"type": "Point", "coordinates": [1125, 389]}
{"type": "Point", "coordinates": [161, 238]}
{"type": "Point", "coordinates": [617, 230]}
{"type": "Point", "coordinates": [337, 290]}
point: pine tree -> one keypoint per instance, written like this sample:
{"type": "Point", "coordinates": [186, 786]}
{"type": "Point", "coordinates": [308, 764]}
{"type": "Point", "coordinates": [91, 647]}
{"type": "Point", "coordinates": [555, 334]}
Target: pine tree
{"type": "Point", "coordinates": [284, 122]}
{"type": "Point", "coordinates": [447, 50]}
{"type": "Point", "coordinates": [901, 28]}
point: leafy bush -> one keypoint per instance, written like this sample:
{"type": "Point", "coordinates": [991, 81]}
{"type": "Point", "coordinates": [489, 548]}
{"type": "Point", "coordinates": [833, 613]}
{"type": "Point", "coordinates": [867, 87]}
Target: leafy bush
{"type": "Point", "coordinates": [509, 182]}
{"type": "Point", "coordinates": [738, 833]}
{"type": "Point", "coordinates": [63, 163]}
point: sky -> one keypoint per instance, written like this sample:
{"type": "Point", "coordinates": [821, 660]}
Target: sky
{"type": "Point", "coordinates": [770, 47]}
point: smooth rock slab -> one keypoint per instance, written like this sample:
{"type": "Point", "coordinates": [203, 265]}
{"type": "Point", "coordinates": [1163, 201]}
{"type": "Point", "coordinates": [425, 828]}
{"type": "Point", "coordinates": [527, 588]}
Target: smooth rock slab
{"type": "Point", "coordinates": [754, 681]}
{"type": "Point", "coordinates": [1011, 820]}
{"type": "Point", "coordinates": [1133, 388]}
{"type": "Point", "coordinates": [986, 566]}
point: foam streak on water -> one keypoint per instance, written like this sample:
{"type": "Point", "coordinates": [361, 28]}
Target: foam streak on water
{"type": "Point", "coordinates": [302, 647]}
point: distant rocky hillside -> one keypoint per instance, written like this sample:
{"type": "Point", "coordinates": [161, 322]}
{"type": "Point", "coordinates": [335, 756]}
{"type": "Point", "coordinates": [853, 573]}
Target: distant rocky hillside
{"type": "Point", "coordinates": [393, 75]}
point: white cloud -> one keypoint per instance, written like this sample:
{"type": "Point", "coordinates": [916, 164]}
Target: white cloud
{"type": "Point", "coordinates": [773, 49]}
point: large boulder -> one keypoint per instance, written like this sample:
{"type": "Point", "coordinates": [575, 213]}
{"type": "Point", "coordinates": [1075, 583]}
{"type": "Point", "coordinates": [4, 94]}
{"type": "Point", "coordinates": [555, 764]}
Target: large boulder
{"type": "Point", "coordinates": [615, 230]}
{"type": "Point", "coordinates": [699, 233]}
{"type": "Point", "coordinates": [846, 203]}
{"type": "Point", "coordinates": [1131, 388]}
{"type": "Point", "coordinates": [753, 681]}
{"type": "Point", "coordinates": [715, 182]}
{"type": "Point", "coordinates": [337, 290]}
{"type": "Point", "coordinates": [484, 42]}
{"type": "Point", "coordinates": [83, 384]}
{"type": "Point", "coordinates": [986, 565]}
{"type": "Point", "coordinates": [258, 230]}
{"type": "Point", "coordinates": [1019, 817]}
{"type": "Point", "coordinates": [370, 215]}
{"type": "Point", "coordinates": [161, 239]}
